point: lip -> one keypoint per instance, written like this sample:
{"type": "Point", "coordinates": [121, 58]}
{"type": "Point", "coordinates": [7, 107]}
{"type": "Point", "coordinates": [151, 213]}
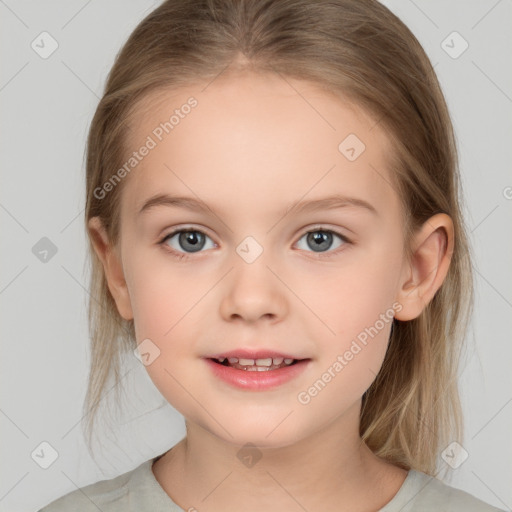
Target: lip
{"type": "Point", "coordinates": [257, 381]}
{"type": "Point", "coordinates": [245, 353]}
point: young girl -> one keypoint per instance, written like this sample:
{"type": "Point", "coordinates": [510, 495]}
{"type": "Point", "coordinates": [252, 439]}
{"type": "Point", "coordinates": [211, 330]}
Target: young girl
{"type": "Point", "coordinates": [275, 230]}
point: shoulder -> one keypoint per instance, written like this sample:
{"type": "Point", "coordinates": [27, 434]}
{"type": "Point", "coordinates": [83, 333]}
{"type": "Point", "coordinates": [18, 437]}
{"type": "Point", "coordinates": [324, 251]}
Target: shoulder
{"type": "Point", "coordinates": [107, 495]}
{"type": "Point", "coordinates": [424, 493]}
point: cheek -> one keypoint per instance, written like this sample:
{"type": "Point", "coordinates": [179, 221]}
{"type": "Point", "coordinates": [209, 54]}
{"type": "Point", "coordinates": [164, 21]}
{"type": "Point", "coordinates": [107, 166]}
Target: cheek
{"type": "Point", "coordinates": [165, 304]}
{"type": "Point", "coordinates": [350, 359]}
{"type": "Point", "coordinates": [354, 306]}
{"type": "Point", "coordinates": [162, 293]}
{"type": "Point", "coordinates": [353, 295]}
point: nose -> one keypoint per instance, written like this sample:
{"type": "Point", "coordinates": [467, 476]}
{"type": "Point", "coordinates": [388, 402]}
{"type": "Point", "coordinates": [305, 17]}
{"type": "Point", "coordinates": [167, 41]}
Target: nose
{"type": "Point", "coordinates": [251, 292]}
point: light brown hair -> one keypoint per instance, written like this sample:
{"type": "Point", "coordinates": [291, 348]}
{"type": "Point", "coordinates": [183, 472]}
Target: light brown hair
{"type": "Point", "coordinates": [360, 51]}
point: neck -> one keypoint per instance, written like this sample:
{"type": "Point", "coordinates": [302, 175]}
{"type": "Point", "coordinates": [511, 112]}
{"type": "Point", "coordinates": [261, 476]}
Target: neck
{"type": "Point", "coordinates": [331, 468]}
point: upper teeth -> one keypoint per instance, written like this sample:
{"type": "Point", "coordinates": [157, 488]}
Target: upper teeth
{"type": "Point", "coordinates": [258, 362]}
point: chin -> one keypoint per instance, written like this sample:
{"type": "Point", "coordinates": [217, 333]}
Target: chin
{"type": "Point", "coordinates": [269, 435]}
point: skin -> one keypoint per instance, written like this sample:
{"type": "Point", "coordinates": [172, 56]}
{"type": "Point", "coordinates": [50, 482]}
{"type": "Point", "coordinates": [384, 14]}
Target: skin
{"type": "Point", "coordinates": [251, 147]}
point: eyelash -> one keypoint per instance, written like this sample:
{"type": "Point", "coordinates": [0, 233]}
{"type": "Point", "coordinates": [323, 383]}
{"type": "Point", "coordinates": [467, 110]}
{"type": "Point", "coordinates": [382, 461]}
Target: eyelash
{"type": "Point", "coordinates": [184, 256]}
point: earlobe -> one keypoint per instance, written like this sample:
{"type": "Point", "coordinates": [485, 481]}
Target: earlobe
{"type": "Point", "coordinates": [425, 273]}
{"type": "Point", "coordinates": [112, 267]}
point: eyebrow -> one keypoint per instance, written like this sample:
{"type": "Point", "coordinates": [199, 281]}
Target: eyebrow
{"type": "Point", "coordinates": [325, 203]}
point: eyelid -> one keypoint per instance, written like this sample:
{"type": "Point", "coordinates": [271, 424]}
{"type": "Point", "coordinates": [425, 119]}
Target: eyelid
{"type": "Point", "coordinates": [324, 227]}
{"type": "Point", "coordinates": [179, 229]}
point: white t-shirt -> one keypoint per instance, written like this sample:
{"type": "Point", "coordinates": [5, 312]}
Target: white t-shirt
{"type": "Point", "coordinates": [139, 491]}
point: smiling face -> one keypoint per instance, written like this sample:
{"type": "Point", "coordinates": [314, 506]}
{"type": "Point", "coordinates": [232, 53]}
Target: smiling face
{"type": "Point", "coordinates": [248, 275]}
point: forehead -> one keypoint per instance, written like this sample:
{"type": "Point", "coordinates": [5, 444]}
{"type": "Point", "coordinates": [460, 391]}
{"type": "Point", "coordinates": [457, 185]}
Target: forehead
{"type": "Point", "coordinates": [253, 140]}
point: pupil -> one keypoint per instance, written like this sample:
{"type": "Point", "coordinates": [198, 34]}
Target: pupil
{"type": "Point", "coordinates": [320, 240]}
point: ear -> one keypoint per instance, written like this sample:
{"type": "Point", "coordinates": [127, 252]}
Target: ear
{"type": "Point", "coordinates": [424, 274]}
{"type": "Point", "coordinates": [112, 267]}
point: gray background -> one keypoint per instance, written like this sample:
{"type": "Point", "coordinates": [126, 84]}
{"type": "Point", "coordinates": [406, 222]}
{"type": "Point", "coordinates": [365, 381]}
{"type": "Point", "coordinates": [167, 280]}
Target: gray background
{"type": "Point", "coordinates": [47, 105]}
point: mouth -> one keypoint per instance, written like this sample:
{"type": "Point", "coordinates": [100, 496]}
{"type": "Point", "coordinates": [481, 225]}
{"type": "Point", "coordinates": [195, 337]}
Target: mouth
{"type": "Point", "coordinates": [260, 370]}
{"type": "Point", "coordinates": [256, 365]}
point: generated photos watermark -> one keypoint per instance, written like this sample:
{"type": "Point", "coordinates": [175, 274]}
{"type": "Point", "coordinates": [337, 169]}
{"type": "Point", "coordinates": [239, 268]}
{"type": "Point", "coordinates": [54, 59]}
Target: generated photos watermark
{"type": "Point", "coordinates": [358, 344]}
{"type": "Point", "coordinates": [151, 142]}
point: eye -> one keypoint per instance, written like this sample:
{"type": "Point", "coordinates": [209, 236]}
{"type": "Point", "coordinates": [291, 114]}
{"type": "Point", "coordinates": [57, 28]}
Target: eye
{"type": "Point", "coordinates": [321, 240]}
{"type": "Point", "coordinates": [187, 240]}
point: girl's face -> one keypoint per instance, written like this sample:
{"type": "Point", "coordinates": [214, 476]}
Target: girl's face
{"type": "Point", "coordinates": [248, 276]}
